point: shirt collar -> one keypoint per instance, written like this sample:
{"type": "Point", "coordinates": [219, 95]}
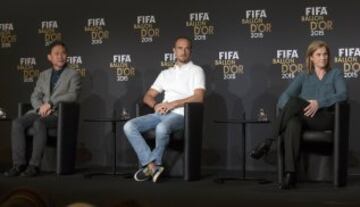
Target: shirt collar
{"type": "Point", "coordinates": [185, 66]}
{"type": "Point", "coordinates": [58, 72]}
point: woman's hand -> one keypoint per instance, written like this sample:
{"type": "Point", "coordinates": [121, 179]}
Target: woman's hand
{"type": "Point", "coordinates": [311, 109]}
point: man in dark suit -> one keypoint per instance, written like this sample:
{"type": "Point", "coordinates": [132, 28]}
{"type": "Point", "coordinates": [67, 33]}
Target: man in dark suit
{"type": "Point", "coordinates": [55, 85]}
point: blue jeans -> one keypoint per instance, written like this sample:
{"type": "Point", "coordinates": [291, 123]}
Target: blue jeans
{"type": "Point", "coordinates": [163, 125]}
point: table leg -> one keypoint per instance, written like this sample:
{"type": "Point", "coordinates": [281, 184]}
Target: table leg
{"type": "Point", "coordinates": [244, 150]}
{"type": "Point", "coordinates": [113, 173]}
{"type": "Point", "coordinates": [243, 177]}
{"type": "Point", "coordinates": [114, 140]}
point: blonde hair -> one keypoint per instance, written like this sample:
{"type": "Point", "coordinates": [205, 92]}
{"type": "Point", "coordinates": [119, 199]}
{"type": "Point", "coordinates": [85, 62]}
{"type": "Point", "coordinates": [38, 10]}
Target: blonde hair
{"type": "Point", "coordinates": [313, 46]}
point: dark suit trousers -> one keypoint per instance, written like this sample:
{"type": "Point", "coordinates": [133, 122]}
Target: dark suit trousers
{"type": "Point", "coordinates": [291, 122]}
{"type": "Point", "coordinates": [18, 137]}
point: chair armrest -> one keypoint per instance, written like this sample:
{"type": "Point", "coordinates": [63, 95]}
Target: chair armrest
{"type": "Point", "coordinates": [68, 114]}
{"type": "Point", "coordinates": [341, 125]}
{"type": "Point", "coordinates": [68, 122]}
{"type": "Point", "coordinates": [341, 142]}
{"type": "Point", "coordinates": [280, 158]}
{"type": "Point", "coordinates": [23, 108]}
{"type": "Point", "coordinates": [142, 109]}
{"type": "Point", "coordinates": [193, 140]}
{"type": "Point", "coordinates": [341, 120]}
{"type": "Point", "coordinates": [68, 119]}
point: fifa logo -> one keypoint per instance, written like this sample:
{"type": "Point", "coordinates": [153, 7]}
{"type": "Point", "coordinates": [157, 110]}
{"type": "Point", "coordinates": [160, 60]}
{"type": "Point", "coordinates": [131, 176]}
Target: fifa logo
{"type": "Point", "coordinates": [146, 26]}
{"type": "Point", "coordinates": [146, 19]}
{"type": "Point", "coordinates": [287, 59]}
{"type": "Point", "coordinates": [317, 21]}
{"type": "Point", "coordinates": [96, 22]}
{"type": "Point", "coordinates": [168, 60]}
{"type": "Point", "coordinates": [228, 55]}
{"type": "Point", "coordinates": [286, 54]}
{"type": "Point", "coordinates": [228, 62]}
{"type": "Point", "coordinates": [75, 63]}
{"type": "Point", "coordinates": [200, 22]}
{"type": "Point", "coordinates": [6, 36]}
{"type": "Point", "coordinates": [121, 64]}
{"type": "Point", "coordinates": [95, 26]}
{"type": "Point", "coordinates": [48, 28]}
{"type": "Point", "coordinates": [49, 25]}
{"type": "Point", "coordinates": [26, 66]}
{"type": "Point", "coordinates": [74, 60]}
{"type": "Point", "coordinates": [122, 58]}
{"type": "Point", "coordinates": [349, 58]}
{"type": "Point", "coordinates": [29, 61]}
{"type": "Point", "coordinates": [6, 27]}
{"type": "Point", "coordinates": [256, 21]}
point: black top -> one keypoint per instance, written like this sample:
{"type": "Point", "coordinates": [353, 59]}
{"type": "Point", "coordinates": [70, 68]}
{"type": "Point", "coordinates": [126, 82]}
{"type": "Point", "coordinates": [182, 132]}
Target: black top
{"type": "Point", "coordinates": [55, 75]}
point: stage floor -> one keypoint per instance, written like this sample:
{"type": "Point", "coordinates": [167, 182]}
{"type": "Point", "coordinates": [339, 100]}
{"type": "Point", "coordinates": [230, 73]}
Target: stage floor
{"type": "Point", "coordinates": [172, 192]}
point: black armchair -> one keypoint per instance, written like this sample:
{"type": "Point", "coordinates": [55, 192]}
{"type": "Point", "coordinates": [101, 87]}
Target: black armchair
{"type": "Point", "coordinates": [64, 137]}
{"type": "Point", "coordinates": [323, 150]}
{"type": "Point", "coordinates": [187, 141]}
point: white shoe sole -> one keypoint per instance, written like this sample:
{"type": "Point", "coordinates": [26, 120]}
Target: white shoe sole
{"type": "Point", "coordinates": [140, 180]}
{"type": "Point", "coordinates": [157, 175]}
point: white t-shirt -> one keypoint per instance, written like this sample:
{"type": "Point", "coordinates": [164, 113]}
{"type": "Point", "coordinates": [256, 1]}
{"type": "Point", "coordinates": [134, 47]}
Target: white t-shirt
{"type": "Point", "coordinates": [179, 83]}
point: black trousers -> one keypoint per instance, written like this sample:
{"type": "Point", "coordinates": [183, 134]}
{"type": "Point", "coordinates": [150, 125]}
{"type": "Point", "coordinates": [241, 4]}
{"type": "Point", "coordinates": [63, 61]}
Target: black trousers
{"type": "Point", "coordinates": [290, 124]}
{"type": "Point", "coordinates": [18, 137]}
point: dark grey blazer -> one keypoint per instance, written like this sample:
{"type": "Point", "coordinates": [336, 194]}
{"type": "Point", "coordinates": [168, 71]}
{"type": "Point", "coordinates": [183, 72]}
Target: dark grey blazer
{"type": "Point", "coordinates": [66, 89]}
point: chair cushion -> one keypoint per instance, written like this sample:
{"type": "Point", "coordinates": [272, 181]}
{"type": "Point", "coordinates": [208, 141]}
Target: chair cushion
{"type": "Point", "coordinates": [51, 132]}
{"type": "Point", "coordinates": [318, 136]}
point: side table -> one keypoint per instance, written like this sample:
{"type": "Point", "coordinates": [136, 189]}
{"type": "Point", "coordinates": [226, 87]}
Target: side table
{"type": "Point", "coordinates": [243, 123]}
{"type": "Point", "coordinates": [113, 122]}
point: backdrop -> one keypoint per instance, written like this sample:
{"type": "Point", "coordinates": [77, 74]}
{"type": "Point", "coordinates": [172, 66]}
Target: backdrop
{"type": "Point", "coordinates": [249, 50]}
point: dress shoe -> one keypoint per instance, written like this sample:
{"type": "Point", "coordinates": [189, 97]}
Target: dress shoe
{"type": "Point", "coordinates": [31, 171]}
{"type": "Point", "coordinates": [15, 170]}
{"type": "Point", "coordinates": [289, 181]}
{"type": "Point", "coordinates": [261, 149]}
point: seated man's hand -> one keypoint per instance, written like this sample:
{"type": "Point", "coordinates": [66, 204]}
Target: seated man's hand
{"type": "Point", "coordinates": [165, 107]}
{"type": "Point", "coordinates": [160, 108]}
{"type": "Point", "coordinates": [45, 110]}
{"type": "Point", "coordinates": [169, 106]}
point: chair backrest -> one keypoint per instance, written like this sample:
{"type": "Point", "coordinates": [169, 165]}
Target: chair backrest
{"type": "Point", "coordinates": [23, 108]}
{"type": "Point", "coordinates": [142, 109]}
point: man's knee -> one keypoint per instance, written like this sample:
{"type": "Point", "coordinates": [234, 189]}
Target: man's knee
{"type": "Point", "coordinates": [162, 128]}
{"type": "Point", "coordinates": [17, 124]}
{"type": "Point", "coordinates": [129, 126]}
{"type": "Point", "coordinates": [39, 124]}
